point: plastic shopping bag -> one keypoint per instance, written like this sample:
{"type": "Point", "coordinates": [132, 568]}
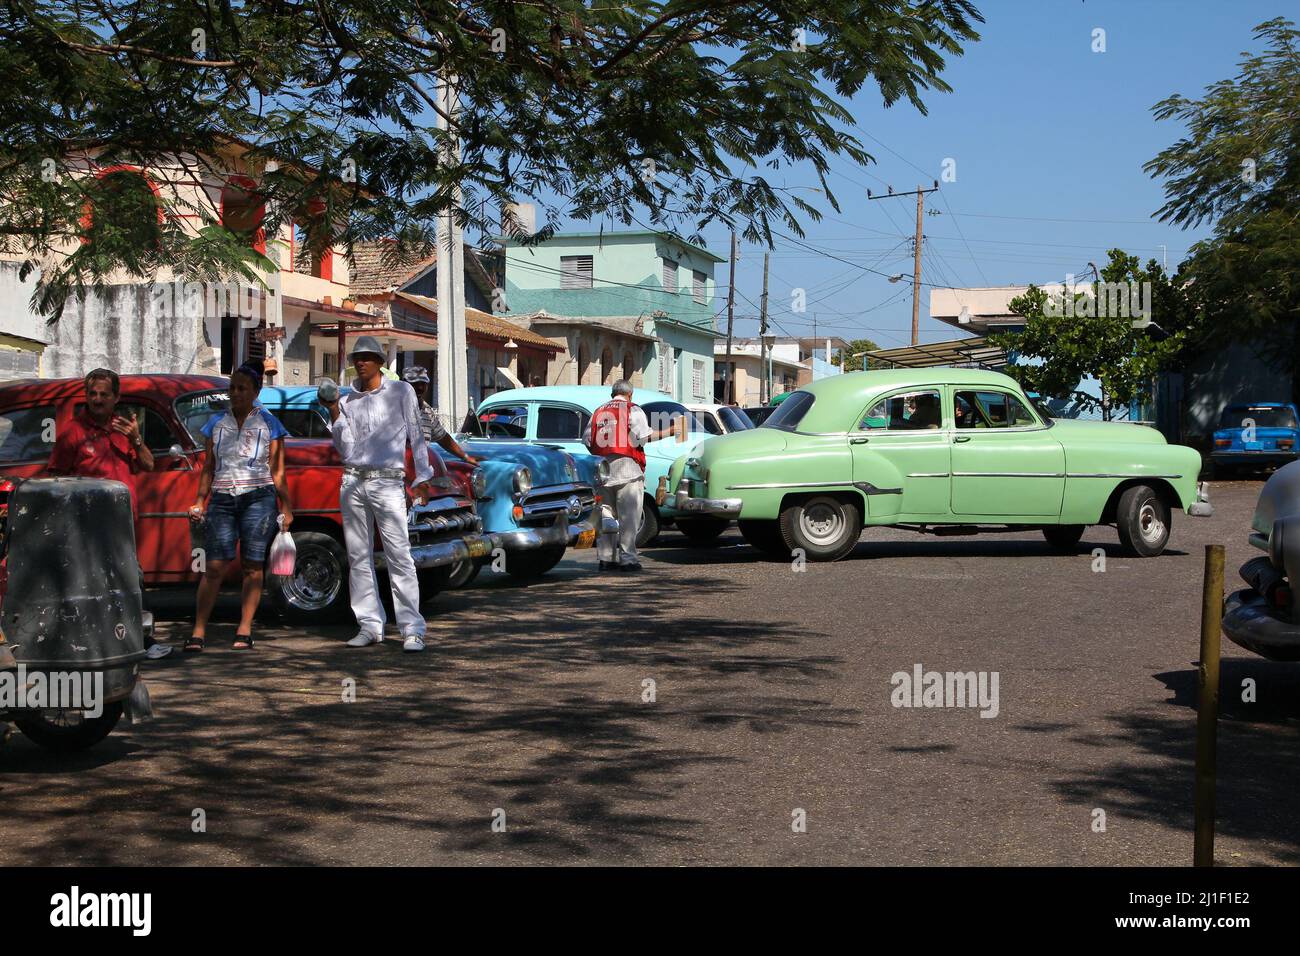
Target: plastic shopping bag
{"type": "Point", "coordinates": [284, 553]}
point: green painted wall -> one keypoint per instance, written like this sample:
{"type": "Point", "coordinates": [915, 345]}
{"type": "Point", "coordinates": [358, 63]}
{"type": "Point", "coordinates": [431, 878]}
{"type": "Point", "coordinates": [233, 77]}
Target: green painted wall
{"type": "Point", "coordinates": [627, 280]}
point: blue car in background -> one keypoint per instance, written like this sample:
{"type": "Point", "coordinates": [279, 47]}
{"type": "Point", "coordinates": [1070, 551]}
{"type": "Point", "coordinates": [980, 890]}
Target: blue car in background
{"type": "Point", "coordinates": [1253, 436]}
{"type": "Point", "coordinates": [558, 415]}
{"type": "Point", "coordinates": [533, 500]}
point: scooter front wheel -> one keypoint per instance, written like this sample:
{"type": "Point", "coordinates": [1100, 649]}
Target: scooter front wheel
{"type": "Point", "coordinates": [68, 730]}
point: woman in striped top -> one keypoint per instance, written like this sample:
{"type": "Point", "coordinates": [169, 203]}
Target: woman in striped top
{"type": "Point", "coordinates": [244, 471]}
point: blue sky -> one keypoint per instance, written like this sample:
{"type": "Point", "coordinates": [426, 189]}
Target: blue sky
{"type": "Point", "coordinates": [1044, 132]}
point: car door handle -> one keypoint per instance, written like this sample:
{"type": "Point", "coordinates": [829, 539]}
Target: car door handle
{"type": "Point", "coordinates": [961, 438]}
{"type": "Point", "coordinates": [858, 441]}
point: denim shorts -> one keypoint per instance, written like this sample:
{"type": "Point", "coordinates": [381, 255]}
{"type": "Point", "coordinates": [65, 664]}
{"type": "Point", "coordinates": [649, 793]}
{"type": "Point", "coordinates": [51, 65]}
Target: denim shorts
{"type": "Point", "coordinates": [248, 518]}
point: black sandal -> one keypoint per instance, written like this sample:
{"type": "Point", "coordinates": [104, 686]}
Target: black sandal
{"type": "Point", "coordinates": [194, 644]}
{"type": "Point", "coordinates": [242, 639]}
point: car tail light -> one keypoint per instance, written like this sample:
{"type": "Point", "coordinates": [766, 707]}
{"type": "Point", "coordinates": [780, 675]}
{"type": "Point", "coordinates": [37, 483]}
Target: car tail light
{"type": "Point", "coordinates": [1222, 442]}
{"type": "Point", "coordinates": [1286, 443]}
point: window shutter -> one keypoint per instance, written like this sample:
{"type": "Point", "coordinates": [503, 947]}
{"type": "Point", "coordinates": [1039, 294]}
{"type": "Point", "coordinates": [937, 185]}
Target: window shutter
{"type": "Point", "coordinates": [697, 377]}
{"type": "Point", "coordinates": [670, 276]}
{"type": "Point", "coordinates": [698, 285]}
{"type": "Point", "coordinates": [576, 272]}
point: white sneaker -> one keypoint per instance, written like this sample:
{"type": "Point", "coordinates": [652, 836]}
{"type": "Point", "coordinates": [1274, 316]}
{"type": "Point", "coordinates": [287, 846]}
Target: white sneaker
{"type": "Point", "coordinates": [364, 639]}
{"type": "Point", "coordinates": [157, 651]}
{"type": "Point", "coordinates": [413, 643]}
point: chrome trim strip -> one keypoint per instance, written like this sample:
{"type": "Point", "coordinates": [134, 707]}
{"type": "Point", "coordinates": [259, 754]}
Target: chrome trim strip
{"type": "Point", "coordinates": [1008, 474]}
{"type": "Point", "coordinates": [799, 484]}
{"type": "Point", "coordinates": [1130, 475]}
{"type": "Point", "coordinates": [547, 491]}
{"type": "Point", "coordinates": [930, 474]}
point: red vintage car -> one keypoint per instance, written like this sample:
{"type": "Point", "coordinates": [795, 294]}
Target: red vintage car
{"type": "Point", "coordinates": [171, 409]}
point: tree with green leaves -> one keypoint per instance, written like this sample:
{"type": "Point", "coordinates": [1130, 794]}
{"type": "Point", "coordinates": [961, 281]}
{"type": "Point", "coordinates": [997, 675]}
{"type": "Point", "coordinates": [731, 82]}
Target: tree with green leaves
{"type": "Point", "coordinates": [1238, 165]}
{"type": "Point", "coordinates": [1121, 330]}
{"type": "Point", "coordinates": [853, 357]}
{"type": "Point", "coordinates": [677, 111]}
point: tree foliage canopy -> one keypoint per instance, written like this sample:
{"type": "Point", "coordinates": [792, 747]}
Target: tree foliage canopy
{"type": "Point", "coordinates": [1238, 165]}
{"type": "Point", "coordinates": [1076, 333]}
{"type": "Point", "coordinates": [679, 108]}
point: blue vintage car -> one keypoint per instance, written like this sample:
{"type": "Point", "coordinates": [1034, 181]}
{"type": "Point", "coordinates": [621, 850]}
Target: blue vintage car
{"type": "Point", "coordinates": [558, 415]}
{"type": "Point", "coordinates": [533, 500]}
{"type": "Point", "coordinates": [1253, 436]}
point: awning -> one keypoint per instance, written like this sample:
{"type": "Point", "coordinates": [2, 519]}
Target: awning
{"type": "Point", "coordinates": [510, 377]}
{"type": "Point", "coordinates": [974, 352]}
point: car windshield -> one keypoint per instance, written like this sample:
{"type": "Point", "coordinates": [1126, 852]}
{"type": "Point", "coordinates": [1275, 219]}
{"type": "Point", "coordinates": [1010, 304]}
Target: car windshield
{"type": "Point", "coordinates": [790, 413]}
{"type": "Point", "coordinates": [734, 421]}
{"type": "Point", "coordinates": [1264, 416]}
{"type": "Point", "coordinates": [662, 414]}
{"type": "Point", "coordinates": [195, 408]}
{"type": "Point", "coordinates": [508, 422]}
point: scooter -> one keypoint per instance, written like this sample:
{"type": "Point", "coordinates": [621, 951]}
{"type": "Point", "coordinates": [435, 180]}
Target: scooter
{"type": "Point", "coordinates": [73, 628]}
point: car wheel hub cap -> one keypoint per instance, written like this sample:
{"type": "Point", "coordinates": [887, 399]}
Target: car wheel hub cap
{"type": "Point", "coordinates": [1149, 523]}
{"type": "Point", "coordinates": [316, 580]}
{"type": "Point", "coordinates": [821, 524]}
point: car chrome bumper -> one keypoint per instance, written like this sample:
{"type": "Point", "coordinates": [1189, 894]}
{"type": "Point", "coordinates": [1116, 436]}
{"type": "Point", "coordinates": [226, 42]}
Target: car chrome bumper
{"type": "Point", "coordinates": [442, 553]}
{"type": "Point", "coordinates": [574, 534]}
{"type": "Point", "coordinates": [1251, 623]}
{"type": "Point", "coordinates": [722, 507]}
{"type": "Point", "coordinates": [1201, 507]}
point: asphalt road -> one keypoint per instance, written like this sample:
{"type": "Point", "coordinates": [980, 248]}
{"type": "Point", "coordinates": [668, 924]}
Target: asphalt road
{"type": "Point", "coordinates": [772, 695]}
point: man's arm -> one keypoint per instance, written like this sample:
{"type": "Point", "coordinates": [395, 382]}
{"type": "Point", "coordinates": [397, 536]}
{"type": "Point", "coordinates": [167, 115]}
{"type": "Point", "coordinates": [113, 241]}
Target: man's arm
{"type": "Point", "coordinates": [341, 430]}
{"type": "Point", "coordinates": [453, 446]}
{"type": "Point", "coordinates": [415, 436]}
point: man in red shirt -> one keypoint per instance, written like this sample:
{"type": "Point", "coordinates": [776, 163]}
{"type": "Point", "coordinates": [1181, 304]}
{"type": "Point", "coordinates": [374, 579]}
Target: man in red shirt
{"type": "Point", "coordinates": [100, 444]}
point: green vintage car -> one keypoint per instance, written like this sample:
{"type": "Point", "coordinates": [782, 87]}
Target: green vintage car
{"type": "Point", "coordinates": [944, 450]}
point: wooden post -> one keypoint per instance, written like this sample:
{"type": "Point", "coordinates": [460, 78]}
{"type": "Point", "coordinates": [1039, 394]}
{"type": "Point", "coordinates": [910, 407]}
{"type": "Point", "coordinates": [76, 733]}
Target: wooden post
{"type": "Point", "coordinates": [1207, 707]}
{"type": "Point", "coordinates": [343, 348]}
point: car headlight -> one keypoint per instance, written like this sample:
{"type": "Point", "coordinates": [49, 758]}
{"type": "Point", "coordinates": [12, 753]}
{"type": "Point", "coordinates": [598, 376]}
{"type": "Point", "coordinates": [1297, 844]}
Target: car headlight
{"type": "Point", "coordinates": [602, 470]}
{"type": "Point", "coordinates": [523, 480]}
{"type": "Point", "coordinates": [478, 481]}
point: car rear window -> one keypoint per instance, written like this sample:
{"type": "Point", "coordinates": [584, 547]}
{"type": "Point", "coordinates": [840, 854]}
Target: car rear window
{"type": "Point", "coordinates": [790, 413]}
{"type": "Point", "coordinates": [27, 434]}
{"type": "Point", "coordinates": [1237, 416]}
{"type": "Point", "coordinates": [734, 421]}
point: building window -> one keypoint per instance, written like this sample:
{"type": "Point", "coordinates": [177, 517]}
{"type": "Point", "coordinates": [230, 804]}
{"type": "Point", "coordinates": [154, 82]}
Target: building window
{"type": "Point", "coordinates": [243, 210]}
{"type": "Point", "coordinates": [576, 272]}
{"type": "Point", "coordinates": [699, 285]}
{"type": "Point", "coordinates": [670, 276]}
{"type": "Point", "coordinates": [697, 378]}
{"type": "Point", "coordinates": [123, 207]}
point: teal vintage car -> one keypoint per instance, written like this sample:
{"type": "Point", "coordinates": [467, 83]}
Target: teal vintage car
{"type": "Point", "coordinates": [559, 415]}
{"type": "Point", "coordinates": [943, 450]}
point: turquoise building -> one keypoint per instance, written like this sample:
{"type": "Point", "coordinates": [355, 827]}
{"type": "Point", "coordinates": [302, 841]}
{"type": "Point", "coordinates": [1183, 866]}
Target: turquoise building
{"type": "Point", "coordinates": [635, 305]}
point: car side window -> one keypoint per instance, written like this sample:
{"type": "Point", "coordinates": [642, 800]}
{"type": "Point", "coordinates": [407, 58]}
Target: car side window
{"type": "Point", "coordinates": [27, 434]}
{"type": "Point", "coordinates": [157, 434]}
{"type": "Point", "coordinates": [910, 411]}
{"type": "Point", "coordinates": [991, 410]}
{"type": "Point", "coordinates": [559, 423]}
{"type": "Point", "coordinates": [302, 422]}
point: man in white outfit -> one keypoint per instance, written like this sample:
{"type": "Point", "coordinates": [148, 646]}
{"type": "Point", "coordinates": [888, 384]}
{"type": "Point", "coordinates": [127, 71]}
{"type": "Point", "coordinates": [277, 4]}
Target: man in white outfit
{"type": "Point", "coordinates": [371, 427]}
{"type": "Point", "coordinates": [619, 432]}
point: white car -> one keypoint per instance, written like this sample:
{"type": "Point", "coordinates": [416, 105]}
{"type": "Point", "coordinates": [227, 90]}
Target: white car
{"type": "Point", "coordinates": [718, 419]}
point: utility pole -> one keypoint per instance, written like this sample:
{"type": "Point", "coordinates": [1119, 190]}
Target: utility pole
{"type": "Point", "coordinates": [916, 263]}
{"type": "Point", "coordinates": [727, 397]}
{"type": "Point", "coordinates": [453, 373]}
{"type": "Point", "coordinates": [765, 389]}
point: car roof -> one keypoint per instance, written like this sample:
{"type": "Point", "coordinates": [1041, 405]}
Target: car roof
{"type": "Point", "coordinates": [836, 393]}
{"type": "Point", "coordinates": [166, 387]}
{"type": "Point", "coordinates": [292, 396]}
{"type": "Point", "coordinates": [589, 397]}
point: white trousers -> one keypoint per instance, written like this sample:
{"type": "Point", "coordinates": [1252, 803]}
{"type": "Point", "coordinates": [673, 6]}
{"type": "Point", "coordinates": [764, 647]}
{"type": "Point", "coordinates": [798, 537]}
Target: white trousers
{"type": "Point", "coordinates": [622, 498]}
{"type": "Point", "coordinates": [366, 504]}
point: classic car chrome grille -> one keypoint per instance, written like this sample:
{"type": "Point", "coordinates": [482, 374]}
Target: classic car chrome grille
{"type": "Point", "coordinates": [543, 504]}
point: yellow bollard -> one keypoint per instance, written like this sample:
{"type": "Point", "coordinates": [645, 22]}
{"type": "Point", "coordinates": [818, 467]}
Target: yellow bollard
{"type": "Point", "coordinates": [1207, 705]}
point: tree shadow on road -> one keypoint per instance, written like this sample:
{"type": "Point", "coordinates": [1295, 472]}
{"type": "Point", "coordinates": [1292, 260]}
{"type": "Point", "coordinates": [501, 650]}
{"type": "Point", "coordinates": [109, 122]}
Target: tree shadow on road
{"type": "Point", "coordinates": [531, 700]}
{"type": "Point", "coordinates": [1258, 793]}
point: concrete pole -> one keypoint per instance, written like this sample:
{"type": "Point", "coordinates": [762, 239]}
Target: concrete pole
{"type": "Point", "coordinates": [916, 269]}
{"type": "Point", "coordinates": [453, 376]}
{"type": "Point", "coordinates": [727, 384]}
